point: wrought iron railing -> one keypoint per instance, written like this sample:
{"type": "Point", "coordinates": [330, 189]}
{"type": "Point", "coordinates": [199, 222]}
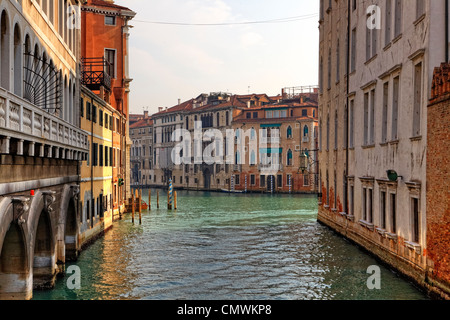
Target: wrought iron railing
{"type": "Point", "coordinates": [94, 73]}
{"type": "Point", "coordinates": [41, 83]}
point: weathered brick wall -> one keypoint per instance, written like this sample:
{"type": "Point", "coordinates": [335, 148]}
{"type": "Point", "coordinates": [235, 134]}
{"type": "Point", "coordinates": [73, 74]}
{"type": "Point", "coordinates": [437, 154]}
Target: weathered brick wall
{"type": "Point", "coordinates": [438, 176]}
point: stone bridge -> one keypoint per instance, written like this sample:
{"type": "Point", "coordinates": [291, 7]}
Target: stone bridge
{"type": "Point", "coordinates": [39, 232]}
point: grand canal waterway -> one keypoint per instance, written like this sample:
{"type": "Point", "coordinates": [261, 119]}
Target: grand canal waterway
{"type": "Point", "coordinates": [221, 246]}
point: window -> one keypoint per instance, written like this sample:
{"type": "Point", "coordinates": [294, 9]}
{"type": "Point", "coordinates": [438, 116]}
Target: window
{"type": "Point", "coordinates": [415, 212]}
{"type": "Point", "coordinates": [279, 181]}
{"type": "Point", "coordinates": [248, 115]}
{"type": "Point", "coordinates": [289, 161]}
{"type": "Point", "coordinates": [398, 18]}
{"type": "Point", "coordinates": [81, 107]}
{"type": "Point", "coordinates": [106, 156]}
{"type": "Point", "coordinates": [110, 20]}
{"type": "Point", "coordinates": [106, 121]}
{"type": "Point", "coordinates": [95, 155]}
{"type": "Point", "coordinates": [306, 180]}
{"type": "Point", "coordinates": [110, 57]}
{"type": "Point", "coordinates": [88, 110]}
{"type": "Point", "coordinates": [417, 99]}
{"type": "Point", "coordinates": [388, 19]}
{"type": "Point", "coordinates": [420, 8]}
{"type": "Point", "coordinates": [371, 42]}
{"type": "Point", "coordinates": [304, 112]}
{"type": "Point", "coordinates": [369, 118]}
{"type": "Point", "coordinates": [353, 51]}
{"type": "Point", "coordinates": [237, 179]}
{"type": "Point", "coordinates": [289, 132]}
{"type": "Point", "coordinates": [335, 131]}
{"type": "Point", "coordinates": [100, 117]}
{"type": "Point", "coordinates": [383, 209]}
{"type": "Point", "coordinates": [101, 163]}
{"type": "Point", "coordinates": [395, 103]}
{"type": "Point", "coordinates": [255, 115]}
{"type": "Point", "coordinates": [393, 212]}
{"type": "Point", "coordinates": [385, 112]}
{"type": "Point", "coordinates": [352, 123]}
{"type": "Point", "coordinates": [252, 180]}
{"type": "Point", "coordinates": [262, 181]}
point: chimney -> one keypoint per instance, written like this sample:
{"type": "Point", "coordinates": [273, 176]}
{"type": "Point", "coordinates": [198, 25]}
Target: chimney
{"type": "Point", "coordinates": [179, 101]}
{"type": "Point", "coordinates": [160, 109]}
{"type": "Point", "coordinates": [145, 114]}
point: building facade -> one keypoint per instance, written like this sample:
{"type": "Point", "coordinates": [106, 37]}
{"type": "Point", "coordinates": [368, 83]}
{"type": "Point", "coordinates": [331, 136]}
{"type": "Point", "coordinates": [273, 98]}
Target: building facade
{"type": "Point", "coordinates": [375, 82]}
{"type": "Point", "coordinates": [105, 71]}
{"type": "Point", "coordinates": [142, 171]}
{"type": "Point", "coordinates": [99, 195]}
{"type": "Point", "coordinates": [41, 144]}
{"type": "Point", "coordinates": [281, 133]}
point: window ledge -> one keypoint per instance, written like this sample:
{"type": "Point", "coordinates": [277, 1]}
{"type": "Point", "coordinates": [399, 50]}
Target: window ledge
{"type": "Point", "coordinates": [350, 217]}
{"type": "Point", "coordinates": [370, 146]}
{"type": "Point", "coordinates": [413, 246]}
{"type": "Point", "coordinates": [326, 206]}
{"type": "Point", "coordinates": [367, 225]}
{"type": "Point", "coordinates": [388, 46]}
{"type": "Point", "coordinates": [391, 236]}
{"type": "Point", "coordinates": [384, 144]}
{"type": "Point", "coordinates": [344, 214]}
{"type": "Point", "coordinates": [381, 231]}
{"type": "Point", "coordinates": [397, 38]}
{"type": "Point", "coordinates": [420, 19]}
{"type": "Point", "coordinates": [371, 59]}
{"type": "Point", "coordinates": [334, 210]}
{"type": "Point", "coordinates": [394, 142]}
{"type": "Point", "coordinates": [417, 138]}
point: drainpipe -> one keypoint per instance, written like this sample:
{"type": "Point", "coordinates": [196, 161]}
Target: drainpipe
{"type": "Point", "coordinates": [446, 32]}
{"type": "Point", "coordinates": [92, 164]}
{"type": "Point", "coordinates": [347, 109]}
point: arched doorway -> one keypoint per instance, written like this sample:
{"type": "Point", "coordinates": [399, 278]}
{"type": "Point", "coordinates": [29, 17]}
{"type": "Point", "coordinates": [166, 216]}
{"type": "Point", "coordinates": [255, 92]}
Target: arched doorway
{"type": "Point", "coordinates": [71, 233]}
{"type": "Point", "coordinates": [44, 254]}
{"type": "Point", "coordinates": [14, 270]}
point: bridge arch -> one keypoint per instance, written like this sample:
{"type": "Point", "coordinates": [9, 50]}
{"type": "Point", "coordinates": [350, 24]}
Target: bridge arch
{"type": "Point", "coordinates": [42, 228]}
{"type": "Point", "coordinates": [68, 226]}
{"type": "Point", "coordinates": [15, 276]}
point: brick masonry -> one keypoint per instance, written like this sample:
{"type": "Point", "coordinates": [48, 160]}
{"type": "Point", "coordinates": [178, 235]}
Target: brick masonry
{"type": "Point", "coordinates": [438, 177]}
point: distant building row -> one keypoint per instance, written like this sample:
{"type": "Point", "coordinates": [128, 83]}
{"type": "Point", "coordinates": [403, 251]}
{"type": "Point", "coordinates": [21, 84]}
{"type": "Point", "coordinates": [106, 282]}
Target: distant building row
{"type": "Point", "coordinates": [280, 130]}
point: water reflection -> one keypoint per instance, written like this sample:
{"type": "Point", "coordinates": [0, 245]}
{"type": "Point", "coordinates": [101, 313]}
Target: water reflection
{"type": "Point", "coordinates": [219, 246]}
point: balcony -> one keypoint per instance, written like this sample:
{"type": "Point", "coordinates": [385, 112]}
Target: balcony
{"type": "Point", "coordinates": [35, 132]}
{"type": "Point", "coordinates": [94, 73]}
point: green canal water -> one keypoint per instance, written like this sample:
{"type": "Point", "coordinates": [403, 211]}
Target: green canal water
{"type": "Point", "coordinates": [228, 247]}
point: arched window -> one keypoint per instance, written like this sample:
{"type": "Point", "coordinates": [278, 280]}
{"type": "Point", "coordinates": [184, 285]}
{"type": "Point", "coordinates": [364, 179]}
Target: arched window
{"type": "Point", "coordinates": [227, 118]}
{"type": "Point", "coordinates": [237, 157]}
{"type": "Point", "coordinates": [4, 50]}
{"type": "Point", "coordinates": [305, 131]}
{"type": "Point", "coordinates": [252, 134]}
{"type": "Point", "coordinates": [252, 158]}
{"type": "Point", "coordinates": [289, 132]}
{"type": "Point", "coordinates": [18, 56]}
{"type": "Point", "coordinates": [289, 158]}
{"type": "Point", "coordinates": [218, 119]}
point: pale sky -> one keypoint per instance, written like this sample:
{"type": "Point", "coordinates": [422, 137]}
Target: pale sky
{"type": "Point", "coordinates": [170, 62]}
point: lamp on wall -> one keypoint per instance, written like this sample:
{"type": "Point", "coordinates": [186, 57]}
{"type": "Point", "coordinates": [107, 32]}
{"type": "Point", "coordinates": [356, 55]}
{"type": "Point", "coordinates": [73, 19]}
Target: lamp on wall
{"type": "Point", "coordinates": [393, 175]}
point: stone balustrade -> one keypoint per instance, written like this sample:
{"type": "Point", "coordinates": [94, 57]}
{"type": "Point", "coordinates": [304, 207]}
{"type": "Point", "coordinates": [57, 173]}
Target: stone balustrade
{"type": "Point", "coordinates": [33, 127]}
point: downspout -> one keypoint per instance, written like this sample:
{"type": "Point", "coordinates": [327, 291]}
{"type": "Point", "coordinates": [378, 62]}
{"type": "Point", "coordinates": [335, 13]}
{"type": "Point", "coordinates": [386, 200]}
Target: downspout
{"type": "Point", "coordinates": [347, 110]}
{"type": "Point", "coordinates": [446, 32]}
{"type": "Point", "coordinates": [92, 163]}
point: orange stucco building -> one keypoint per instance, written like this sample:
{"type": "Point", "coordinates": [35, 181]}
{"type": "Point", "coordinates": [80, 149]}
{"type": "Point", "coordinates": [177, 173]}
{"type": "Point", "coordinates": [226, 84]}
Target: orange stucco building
{"type": "Point", "coordinates": [104, 64]}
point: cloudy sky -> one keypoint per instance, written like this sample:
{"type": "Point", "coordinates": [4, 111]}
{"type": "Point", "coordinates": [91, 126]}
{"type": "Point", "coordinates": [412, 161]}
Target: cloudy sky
{"type": "Point", "coordinates": [171, 62]}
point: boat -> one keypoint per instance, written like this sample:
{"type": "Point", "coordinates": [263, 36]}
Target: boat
{"type": "Point", "coordinates": [231, 191]}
